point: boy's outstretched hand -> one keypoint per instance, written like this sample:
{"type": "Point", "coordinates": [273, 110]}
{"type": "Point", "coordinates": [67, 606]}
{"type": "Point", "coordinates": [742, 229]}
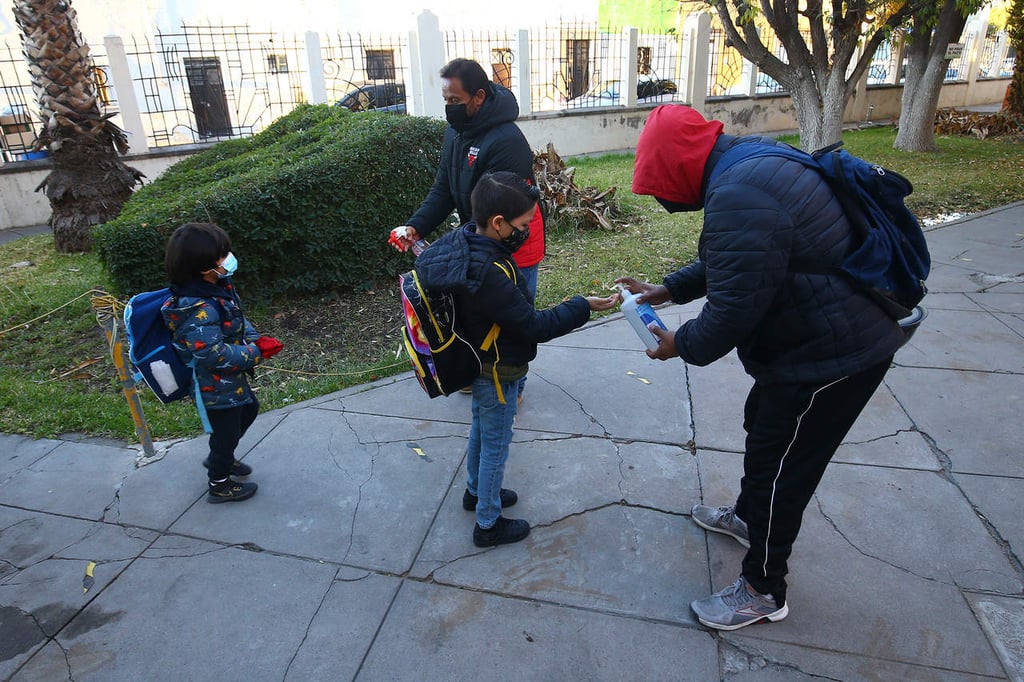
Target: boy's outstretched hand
{"type": "Point", "coordinates": [598, 303]}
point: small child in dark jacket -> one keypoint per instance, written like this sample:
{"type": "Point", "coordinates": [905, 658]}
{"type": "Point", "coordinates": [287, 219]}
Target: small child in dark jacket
{"type": "Point", "coordinates": [211, 334]}
{"type": "Point", "coordinates": [475, 263]}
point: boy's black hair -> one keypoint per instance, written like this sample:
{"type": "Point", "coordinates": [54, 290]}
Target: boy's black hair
{"type": "Point", "coordinates": [193, 249]}
{"type": "Point", "coordinates": [503, 193]}
{"type": "Point", "coordinates": [470, 74]}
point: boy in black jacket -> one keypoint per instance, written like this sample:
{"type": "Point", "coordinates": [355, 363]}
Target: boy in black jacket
{"type": "Point", "coordinates": [475, 262]}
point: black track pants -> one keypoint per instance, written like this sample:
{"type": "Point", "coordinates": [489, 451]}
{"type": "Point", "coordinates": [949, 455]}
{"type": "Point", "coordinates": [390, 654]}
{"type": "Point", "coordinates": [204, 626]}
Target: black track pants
{"type": "Point", "coordinates": [229, 425]}
{"type": "Point", "coordinates": [792, 432]}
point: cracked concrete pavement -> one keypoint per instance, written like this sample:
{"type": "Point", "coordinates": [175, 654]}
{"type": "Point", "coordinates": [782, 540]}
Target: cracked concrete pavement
{"type": "Point", "coordinates": [355, 560]}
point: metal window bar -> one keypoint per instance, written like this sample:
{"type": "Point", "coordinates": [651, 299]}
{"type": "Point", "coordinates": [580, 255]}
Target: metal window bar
{"type": "Point", "coordinates": [493, 49]}
{"type": "Point", "coordinates": [987, 68]}
{"type": "Point", "coordinates": [882, 69]}
{"type": "Point", "coordinates": [956, 70]}
{"type": "Point", "coordinates": [19, 104]}
{"type": "Point", "coordinates": [725, 67]}
{"type": "Point", "coordinates": [766, 85]}
{"type": "Point", "coordinates": [663, 64]}
{"type": "Point", "coordinates": [211, 82]}
{"type": "Point", "coordinates": [1009, 61]}
{"type": "Point", "coordinates": [364, 72]}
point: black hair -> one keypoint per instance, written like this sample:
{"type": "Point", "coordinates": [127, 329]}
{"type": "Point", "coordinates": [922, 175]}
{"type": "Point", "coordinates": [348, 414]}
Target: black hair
{"type": "Point", "coordinates": [503, 193]}
{"type": "Point", "coordinates": [194, 248]}
{"type": "Point", "coordinates": [470, 74]}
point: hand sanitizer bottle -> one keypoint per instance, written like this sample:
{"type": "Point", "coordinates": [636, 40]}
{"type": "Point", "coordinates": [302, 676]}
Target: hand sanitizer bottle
{"type": "Point", "coordinates": [640, 315]}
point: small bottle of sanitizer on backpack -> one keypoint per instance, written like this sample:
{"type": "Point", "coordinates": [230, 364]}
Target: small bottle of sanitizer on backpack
{"type": "Point", "coordinates": [640, 315]}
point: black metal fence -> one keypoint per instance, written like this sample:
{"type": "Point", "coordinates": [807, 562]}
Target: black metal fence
{"type": "Point", "coordinates": [495, 49]}
{"type": "Point", "coordinates": [364, 72]}
{"type": "Point", "coordinates": [215, 82]}
{"type": "Point", "coordinates": [19, 104]}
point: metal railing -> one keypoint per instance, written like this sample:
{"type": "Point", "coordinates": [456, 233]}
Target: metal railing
{"type": "Point", "coordinates": [215, 82]}
{"type": "Point", "coordinates": [364, 71]}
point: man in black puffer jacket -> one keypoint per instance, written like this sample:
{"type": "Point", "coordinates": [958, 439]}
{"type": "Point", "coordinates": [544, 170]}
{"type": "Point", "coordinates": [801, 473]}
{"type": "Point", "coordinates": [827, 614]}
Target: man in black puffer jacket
{"type": "Point", "coordinates": [816, 347]}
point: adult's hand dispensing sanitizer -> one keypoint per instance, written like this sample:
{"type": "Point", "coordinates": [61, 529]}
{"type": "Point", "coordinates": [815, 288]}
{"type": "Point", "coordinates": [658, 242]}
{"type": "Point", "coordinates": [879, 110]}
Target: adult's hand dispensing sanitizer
{"type": "Point", "coordinates": [640, 315]}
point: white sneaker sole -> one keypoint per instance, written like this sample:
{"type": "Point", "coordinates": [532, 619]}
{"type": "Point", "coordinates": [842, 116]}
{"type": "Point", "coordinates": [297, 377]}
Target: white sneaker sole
{"type": "Point", "coordinates": [771, 617]}
{"type": "Point", "coordinates": [716, 529]}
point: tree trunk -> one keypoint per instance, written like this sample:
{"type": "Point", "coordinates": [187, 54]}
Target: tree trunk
{"type": "Point", "coordinates": [820, 120]}
{"type": "Point", "coordinates": [89, 182]}
{"type": "Point", "coordinates": [87, 186]}
{"type": "Point", "coordinates": [926, 71]}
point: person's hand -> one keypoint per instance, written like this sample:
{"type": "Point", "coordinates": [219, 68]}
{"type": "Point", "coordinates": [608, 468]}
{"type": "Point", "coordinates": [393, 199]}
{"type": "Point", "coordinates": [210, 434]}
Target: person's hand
{"type": "Point", "coordinates": [666, 343]}
{"type": "Point", "coordinates": [269, 346]}
{"type": "Point", "coordinates": [598, 303]}
{"type": "Point", "coordinates": [648, 293]}
{"type": "Point", "coordinates": [403, 237]}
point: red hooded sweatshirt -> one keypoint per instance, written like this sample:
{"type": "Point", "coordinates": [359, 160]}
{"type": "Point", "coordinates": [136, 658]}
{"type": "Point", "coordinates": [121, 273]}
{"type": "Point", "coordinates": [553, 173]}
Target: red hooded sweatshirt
{"type": "Point", "coordinates": [671, 153]}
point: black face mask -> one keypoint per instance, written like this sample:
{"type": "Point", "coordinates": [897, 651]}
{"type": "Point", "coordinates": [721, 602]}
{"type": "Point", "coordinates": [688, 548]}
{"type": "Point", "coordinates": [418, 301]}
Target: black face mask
{"type": "Point", "coordinates": [456, 116]}
{"type": "Point", "coordinates": [674, 207]}
{"type": "Point", "coordinates": [516, 239]}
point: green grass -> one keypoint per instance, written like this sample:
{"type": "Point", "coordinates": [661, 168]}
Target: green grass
{"type": "Point", "coordinates": [43, 394]}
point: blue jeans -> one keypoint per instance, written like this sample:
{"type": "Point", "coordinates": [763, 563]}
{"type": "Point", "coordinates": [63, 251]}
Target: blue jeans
{"type": "Point", "coordinates": [530, 277]}
{"type": "Point", "coordinates": [487, 449]}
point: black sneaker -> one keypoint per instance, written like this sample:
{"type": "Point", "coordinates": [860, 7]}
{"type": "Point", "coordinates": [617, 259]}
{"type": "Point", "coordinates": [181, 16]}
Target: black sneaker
{"type": "Point", "coordinates": [237, 469]}
{"type": "Point", "coordinates": [508, 498]}
{"type": "Point", "coordinates": [503, 532]}
{"type": "Point", "coordinates": [230, 491]}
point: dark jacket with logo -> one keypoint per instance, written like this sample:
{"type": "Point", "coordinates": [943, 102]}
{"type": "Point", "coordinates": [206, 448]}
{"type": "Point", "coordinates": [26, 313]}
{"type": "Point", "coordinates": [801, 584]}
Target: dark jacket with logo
{"type": "Point", "coordinates": [787, 326]}
{"type": "Point", "coordinates": [476, 269]}
{"type": "Point", "coordinates": [491, 142]}
{"type": "Point", "coordinates": [207, 325]}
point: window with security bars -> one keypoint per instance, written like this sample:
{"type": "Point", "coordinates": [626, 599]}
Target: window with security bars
{"type": "Point", "coordinates": [277, 63]}
{"type": "Point", "coordinates": [380, 64]}
{"type": "Point", "coordinates": [643, 61]}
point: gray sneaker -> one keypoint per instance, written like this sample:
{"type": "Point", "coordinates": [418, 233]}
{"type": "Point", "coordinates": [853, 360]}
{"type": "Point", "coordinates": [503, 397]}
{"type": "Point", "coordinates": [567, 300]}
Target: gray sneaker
{"type": "Point", "coordinates": [721, 520]}
{"type": "Point", "coordinates": [737, 606]}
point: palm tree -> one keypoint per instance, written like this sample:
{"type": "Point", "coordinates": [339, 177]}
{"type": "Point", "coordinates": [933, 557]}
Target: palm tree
{"type": "Point", "coordinates": [89, 183]}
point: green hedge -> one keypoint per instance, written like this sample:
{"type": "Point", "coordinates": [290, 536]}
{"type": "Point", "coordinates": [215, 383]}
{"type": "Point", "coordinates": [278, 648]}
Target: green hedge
{"type": "Point", "coordinates": [308, 202]}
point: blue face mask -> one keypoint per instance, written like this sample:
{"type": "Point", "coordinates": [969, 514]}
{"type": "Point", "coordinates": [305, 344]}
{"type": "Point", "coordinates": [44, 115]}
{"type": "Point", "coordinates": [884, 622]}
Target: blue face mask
{"type": "Point", "coordinates": [230, 266]}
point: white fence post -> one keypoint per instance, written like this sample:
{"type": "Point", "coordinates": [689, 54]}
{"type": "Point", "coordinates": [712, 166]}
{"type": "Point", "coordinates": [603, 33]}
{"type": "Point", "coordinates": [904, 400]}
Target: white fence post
{"type": "Point", "coordinates": [127, 103]}
{"type": "Point", "coordinates": [427, 60]}
{"type": "Point", "coordinates": [628, 78]}
{"type": "Point", "coordinates": [521, 81]}
{"type": "Point", "coordinates": [698, 34]}
{"type": "Point", "coordinates": [314, 84]}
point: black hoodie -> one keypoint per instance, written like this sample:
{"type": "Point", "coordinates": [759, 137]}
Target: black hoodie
{"type": "Point", "coordinates": [490, 142]}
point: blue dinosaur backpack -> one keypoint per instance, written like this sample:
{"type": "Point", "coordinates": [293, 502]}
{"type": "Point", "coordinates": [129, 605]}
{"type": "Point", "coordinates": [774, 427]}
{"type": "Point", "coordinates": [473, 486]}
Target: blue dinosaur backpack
{"type": "Point", "coordinates": [150, 350]}
{"type": "Point", "coordinates": [891, 262]}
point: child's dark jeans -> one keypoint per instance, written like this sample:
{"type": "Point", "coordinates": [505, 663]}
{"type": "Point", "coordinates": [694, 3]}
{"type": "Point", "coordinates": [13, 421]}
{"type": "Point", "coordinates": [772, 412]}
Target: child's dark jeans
{"type": "Point", "coordinates": [229, 425]}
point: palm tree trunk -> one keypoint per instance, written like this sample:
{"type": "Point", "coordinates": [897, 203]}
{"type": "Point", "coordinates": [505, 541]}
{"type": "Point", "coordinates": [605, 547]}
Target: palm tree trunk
{"type": "Point", "coordinates": [89, 182]}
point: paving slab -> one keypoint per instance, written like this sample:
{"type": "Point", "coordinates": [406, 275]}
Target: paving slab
{"type": "Point", "coordinates": [998, 499]}
{"type": "Point", "coordinates": [346, 623]}
{"type": "Point", "coordinates": [965, 340]}
{"type": "Point", "coordinates": [18, 453]}
{"type": "Point", "coordinates": [597, 560]}
{"type": "Point", "coordinates": [43, 575]}
{"type": "Point", "coordinates": [876, 571]}
{"type": "Point", "coordinates": [451, 634]}
{"type": "Point", "coordinates": [217, 632]}
{"type": "Point", "coordinates": [1003, 620]}
{"type": "Point", "coordinates": [748, 659]}
{"type": "Point", "coordinates": [328, 492]}
{"type": "Point", "coordinates": [93, 474]}
{"type": "Point", "coordinates": [973, 418]}
{"type": "Point", "coordinates": [158, 493]}
{"type": "Point", "coordinates": [561, 479]}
